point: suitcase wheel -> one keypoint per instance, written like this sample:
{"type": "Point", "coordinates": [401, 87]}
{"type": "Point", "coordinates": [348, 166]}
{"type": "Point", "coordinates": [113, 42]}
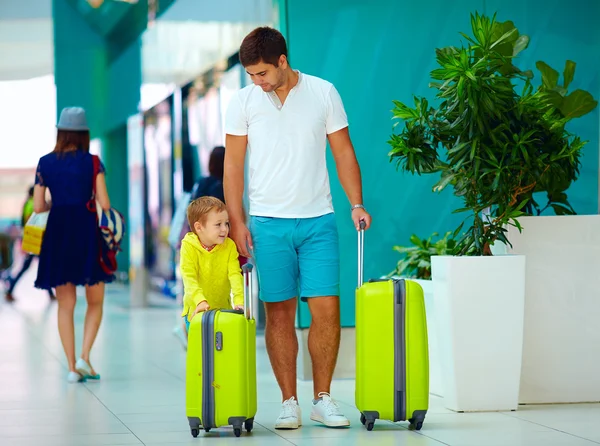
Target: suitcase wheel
{"type": "Point", "coordinates": [195, 432]}
{"type": "Point", "coordinates": [237, 431]}
{"type": "Point", "coordinates": [367, 422]}
{"type": "Point", "coordinates": [416, 426]}
{"type": "Point", "coordinates": [207, 429]}
{"type": "Point", "coordinates": [249, 424]}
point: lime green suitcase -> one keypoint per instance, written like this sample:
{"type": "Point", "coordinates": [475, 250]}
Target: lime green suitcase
{"type": "Point", "coordinates": [392, 358]}
{"type": "Point", "coordinates": [221, 367]}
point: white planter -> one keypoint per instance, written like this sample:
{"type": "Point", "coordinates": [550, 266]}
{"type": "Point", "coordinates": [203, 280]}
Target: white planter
{"type": "Point", "coordinates": [435, 369]}
{"type": "Point", "coordinates": [561, 344]}
{"type": "Point", "coordinates": [479, 305]}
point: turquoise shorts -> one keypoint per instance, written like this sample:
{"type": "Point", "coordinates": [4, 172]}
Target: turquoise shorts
{"type": "Point", "coordinates": [296, 257]}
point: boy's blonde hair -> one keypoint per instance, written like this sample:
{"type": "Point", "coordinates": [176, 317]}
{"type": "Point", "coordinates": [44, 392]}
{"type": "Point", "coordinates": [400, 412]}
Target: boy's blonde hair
{"type": "Point", "coordinates": [201, 207]}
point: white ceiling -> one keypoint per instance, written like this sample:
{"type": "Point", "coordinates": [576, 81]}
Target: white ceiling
{"type": "Point", "coordinates": [188, 39]}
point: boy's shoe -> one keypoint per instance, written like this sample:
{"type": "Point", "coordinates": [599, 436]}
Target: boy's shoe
{"type": "Point", "coordinates": [291, 415]}
{"type": "Point", "coordinates": [326, 411]}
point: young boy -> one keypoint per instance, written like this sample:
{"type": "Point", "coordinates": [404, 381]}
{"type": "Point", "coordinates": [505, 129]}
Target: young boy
{"type": "Point", "coordinates": [209, 261]}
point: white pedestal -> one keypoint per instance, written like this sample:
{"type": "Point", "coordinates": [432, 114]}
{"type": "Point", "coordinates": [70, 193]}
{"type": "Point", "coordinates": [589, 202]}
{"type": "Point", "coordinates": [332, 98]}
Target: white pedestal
{"type": "Point", "coordinates": [479, 305]}
{"type": "Point", "coordinates": [561, 345]}
{"type": "Point", "coordinates": [435, 368]}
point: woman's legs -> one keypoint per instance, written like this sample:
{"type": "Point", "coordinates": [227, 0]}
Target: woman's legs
{"type": "Point", "coordinates": [66, 297]}
{"type": "Point", "coordinates": [93, 316]}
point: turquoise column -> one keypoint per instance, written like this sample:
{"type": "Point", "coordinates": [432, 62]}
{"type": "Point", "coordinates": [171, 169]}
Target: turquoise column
{"type": "Point", "coordinates": [94, 70]}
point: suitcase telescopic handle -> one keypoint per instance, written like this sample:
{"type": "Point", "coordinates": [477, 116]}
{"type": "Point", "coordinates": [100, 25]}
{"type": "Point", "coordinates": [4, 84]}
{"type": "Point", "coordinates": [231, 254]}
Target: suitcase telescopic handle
{"type": "Point", "coordinates": [248, 301]}
{"type": "Point", "coordinates": [361, 252]}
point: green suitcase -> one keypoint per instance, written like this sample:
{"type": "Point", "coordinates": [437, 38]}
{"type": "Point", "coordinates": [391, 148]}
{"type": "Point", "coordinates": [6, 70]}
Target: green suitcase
{"type": "Point", "coordinates": [392, 358]}
{"type": "Point", "coordinates": [221, 367]}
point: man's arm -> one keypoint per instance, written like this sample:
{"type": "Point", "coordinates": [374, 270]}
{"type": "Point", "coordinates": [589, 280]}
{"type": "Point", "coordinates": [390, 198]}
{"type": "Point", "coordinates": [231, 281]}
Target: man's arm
{"type": "Point", "coordinates": [347, 165]}
{"type": "Point", "coordinates": [348, 172]}
{"type": "Point", "coordinates": [233, 177]}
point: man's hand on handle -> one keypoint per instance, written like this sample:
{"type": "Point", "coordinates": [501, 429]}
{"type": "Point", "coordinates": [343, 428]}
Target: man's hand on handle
{"type": "Point", "coordinates": [360, 214]}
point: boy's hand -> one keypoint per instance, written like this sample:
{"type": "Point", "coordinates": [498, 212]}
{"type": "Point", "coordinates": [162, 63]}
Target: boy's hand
{"type": "Point", "coordinates": [238, 307]}
{"type": "Point", "coordinates": [202, 306]}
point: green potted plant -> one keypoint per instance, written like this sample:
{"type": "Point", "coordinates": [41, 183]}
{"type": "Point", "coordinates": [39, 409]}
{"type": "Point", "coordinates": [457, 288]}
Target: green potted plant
{"type": "Point", "coordinates": [496, 139]}
{"type": "Point", "coordinates": [416, 262]}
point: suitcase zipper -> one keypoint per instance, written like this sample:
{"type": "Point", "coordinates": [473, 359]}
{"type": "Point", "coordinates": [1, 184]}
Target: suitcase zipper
{"type": "Point", "coordinates": [208, 369]}
{"type": "Point", "coordinates": [399, 350]}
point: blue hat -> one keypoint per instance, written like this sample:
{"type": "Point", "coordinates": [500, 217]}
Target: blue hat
{"type": "Point", "coordinates": [73, 119]}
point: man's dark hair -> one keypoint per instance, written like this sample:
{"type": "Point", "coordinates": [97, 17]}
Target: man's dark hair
{"type": "Point", "coordinates": [263, 44]}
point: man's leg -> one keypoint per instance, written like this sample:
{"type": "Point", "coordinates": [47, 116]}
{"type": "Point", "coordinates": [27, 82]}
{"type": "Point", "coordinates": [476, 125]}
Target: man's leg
{"type": "Point", "coordinates": [324, 340]}
{"type": "Point", "coordinates": [318, 255]}
{"type": "Point", "coordinates": [282, 344]}
{"type": "Point", "coordinates": [277, 267]}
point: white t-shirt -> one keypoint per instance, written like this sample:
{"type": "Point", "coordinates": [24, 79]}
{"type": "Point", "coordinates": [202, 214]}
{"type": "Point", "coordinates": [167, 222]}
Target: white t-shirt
{"type": "Point", "coordinates": [286, 146]}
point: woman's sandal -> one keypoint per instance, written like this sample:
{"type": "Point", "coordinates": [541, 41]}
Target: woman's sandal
{"type": "Point", "coordinates": [85, 370]}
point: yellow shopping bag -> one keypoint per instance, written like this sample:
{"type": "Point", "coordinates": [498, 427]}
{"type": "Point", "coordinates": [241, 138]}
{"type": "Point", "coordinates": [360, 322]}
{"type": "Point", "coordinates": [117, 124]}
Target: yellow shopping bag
{"type": "Point", "coordinates": [33, 233]}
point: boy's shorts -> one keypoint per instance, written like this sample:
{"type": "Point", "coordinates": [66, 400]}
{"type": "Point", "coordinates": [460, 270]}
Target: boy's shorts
{"type": "Point", "coordinates": [296, 257]}
{"type": "Point", "coordinates": [187, 323]}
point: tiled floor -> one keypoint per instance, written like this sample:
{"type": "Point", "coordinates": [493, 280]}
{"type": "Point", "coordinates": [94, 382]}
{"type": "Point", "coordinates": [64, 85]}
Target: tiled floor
{"type": "Point", "coordinates": [140, 399]}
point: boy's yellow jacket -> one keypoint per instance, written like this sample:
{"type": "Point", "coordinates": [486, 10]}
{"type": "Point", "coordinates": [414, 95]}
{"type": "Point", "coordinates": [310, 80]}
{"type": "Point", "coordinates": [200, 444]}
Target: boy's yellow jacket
{"type": "Point", "coordinates": [210, 275]}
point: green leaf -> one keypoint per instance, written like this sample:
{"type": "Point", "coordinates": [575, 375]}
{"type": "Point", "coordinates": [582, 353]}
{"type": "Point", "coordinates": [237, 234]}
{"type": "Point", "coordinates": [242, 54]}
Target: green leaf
{"type": "Point", "coordinates": [404, 112]}
{"type": "Point", "coordinates": [416, 240]}
{"type": "Point", "coordinates": [443, 182]}
{"type": "Point", "coordinates": [528, 74]}
{"type": "Point", "coordinates": [560, 90]}
{"type": "Point", "coordinates": [521, 44]}
{"type": "Point", "coordinates": [569, 73]}
{"type": "Point", "coordinates": [559, 209]}
{"type": "Point", "coordinates": [457, 230]}
{"type": "Point", "coordinates": [554, 98]}
{"type": "Point", "coordinates": [577, 104]}
{"type": "Point", "coordinates": [458, 211]}
{"type": "Point", "coordinates": [457, 148]}
{"type": "Point", "coordinates": [549, 74]}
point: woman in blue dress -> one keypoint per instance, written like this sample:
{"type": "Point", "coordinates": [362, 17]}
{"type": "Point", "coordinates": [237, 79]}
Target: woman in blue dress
{"type": "Point", "coordinates": [70, 249]}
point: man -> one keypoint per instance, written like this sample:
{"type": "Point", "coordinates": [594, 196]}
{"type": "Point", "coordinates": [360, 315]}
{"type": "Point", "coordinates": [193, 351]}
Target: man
{"type": "Point", "coordinates": [12, 281]}
{"type": "Point", "coordinates": [284, 120]}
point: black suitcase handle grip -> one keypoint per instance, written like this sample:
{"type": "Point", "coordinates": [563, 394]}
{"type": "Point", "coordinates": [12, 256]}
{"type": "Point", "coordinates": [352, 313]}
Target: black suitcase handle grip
{"type": "Point", "coordinates": [361, 251]}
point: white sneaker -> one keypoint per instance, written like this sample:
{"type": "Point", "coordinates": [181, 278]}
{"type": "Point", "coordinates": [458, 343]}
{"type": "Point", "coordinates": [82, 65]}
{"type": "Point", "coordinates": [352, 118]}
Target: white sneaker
{"type": "Point", "coordinates": [291, 415]}
{"type": "Point", "coordinates": [327, 411]}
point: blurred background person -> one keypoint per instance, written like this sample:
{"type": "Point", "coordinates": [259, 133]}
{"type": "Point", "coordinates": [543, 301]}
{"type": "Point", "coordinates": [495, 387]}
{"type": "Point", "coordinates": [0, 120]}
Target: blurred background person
{"type": "Point", "coordinates": [11, 281]}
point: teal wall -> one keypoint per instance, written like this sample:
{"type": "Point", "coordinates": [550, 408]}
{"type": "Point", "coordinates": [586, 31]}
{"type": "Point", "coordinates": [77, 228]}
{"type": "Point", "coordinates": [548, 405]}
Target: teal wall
{"type": "Point", "coordinates": [103, 75]}
{"type": "Point", "coordinates": [382, 50]}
